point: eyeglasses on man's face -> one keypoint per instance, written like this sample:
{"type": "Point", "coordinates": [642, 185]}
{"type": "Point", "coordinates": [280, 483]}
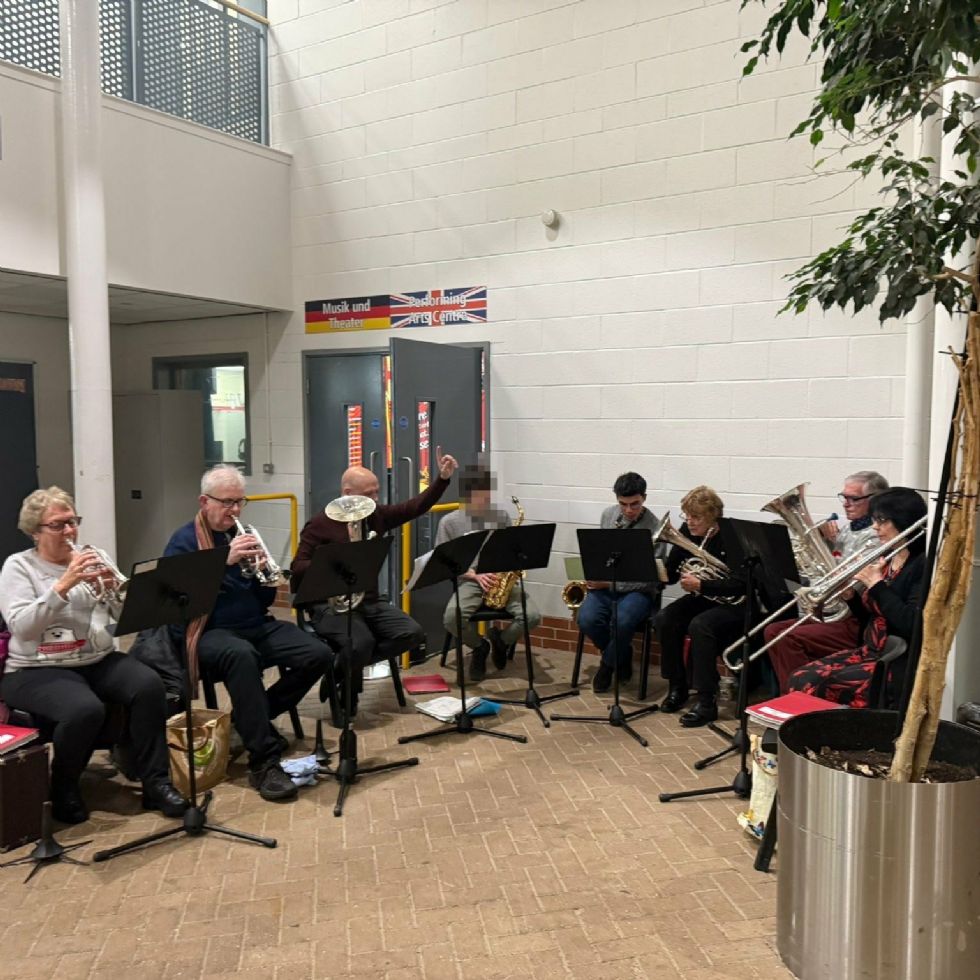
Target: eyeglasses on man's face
{"type": "Point", "coordinates": [58, 526]}
{"type": "Point", "coordinates": [228, 502]}
{"type": "Point", "coordinates": [847, 498]}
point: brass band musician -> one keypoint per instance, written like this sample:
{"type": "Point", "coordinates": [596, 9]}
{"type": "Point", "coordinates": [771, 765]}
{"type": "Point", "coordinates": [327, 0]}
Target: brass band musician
{"type": "Point", "coordinates": [711, 624]}
{"type": "Point", "coordinates": [633, 601]}
{"type": "Point", "coordinates": [476, 514]}
{"type": "Point", "coordinates": [817, 639]}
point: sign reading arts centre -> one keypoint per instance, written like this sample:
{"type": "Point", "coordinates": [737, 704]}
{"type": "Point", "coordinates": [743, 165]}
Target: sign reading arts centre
{"type": "Point", "coordinates": [428, 308]}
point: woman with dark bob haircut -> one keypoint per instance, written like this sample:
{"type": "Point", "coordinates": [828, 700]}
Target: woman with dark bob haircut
{"type": "Point", "coordinates": [890, 596]}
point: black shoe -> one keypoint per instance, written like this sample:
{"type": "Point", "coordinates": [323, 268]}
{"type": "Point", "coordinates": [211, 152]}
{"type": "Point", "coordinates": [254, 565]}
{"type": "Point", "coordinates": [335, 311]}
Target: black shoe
{"type": "Point", "coordinates": [418, 656]}
{"type": "Point", "coordinates": [166, 798]}
{"type": "Point", "coordinates": [602, 679]}
{"type": "Point", "coordinates": [676, 698]}
{"type": "Point", "coordinates": [498, 649]}
{"type": "Point", "coordinates": [272, 782]}
{"type": "Point", "coordinates": [700, 714]}
{"type": "Point", "coordinates": [478, 662]}
{"type": "Point", "coordinates": [67, 805]}
{"type": "Point", "coordinates": [282, 743]}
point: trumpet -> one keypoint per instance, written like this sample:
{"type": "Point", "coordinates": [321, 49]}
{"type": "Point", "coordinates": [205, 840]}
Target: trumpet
{"type": "Point", "coordinates": [101, 589]}
{"type": "Point", "coordinates": [829, 590]}
{"type": "Point", "coordinates": [262, 566]}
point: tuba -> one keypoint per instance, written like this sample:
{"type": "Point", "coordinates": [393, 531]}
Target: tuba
{"type": "Point", "coordinates": [263, 566]}
{"type": "Point", "coordinates": [100, 590]}
{"type": "Point", "coordinates": [351, 510]}
{"type": "Point", "coordinates": [499, 595]}
{"type": "Point", "coordinates": [814, 558]}
{"type": "Point", "coordinates": [702, 564]}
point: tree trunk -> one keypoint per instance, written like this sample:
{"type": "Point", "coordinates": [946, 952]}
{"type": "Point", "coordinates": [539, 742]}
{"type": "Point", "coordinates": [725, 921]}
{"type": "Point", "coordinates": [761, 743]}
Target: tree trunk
{"type": "Point", "coordinates": [954, 569]}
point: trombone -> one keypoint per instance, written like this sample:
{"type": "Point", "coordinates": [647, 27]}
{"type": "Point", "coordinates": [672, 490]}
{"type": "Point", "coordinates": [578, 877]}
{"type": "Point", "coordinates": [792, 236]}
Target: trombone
{"type": "Point", "coordinates": [812, 598]}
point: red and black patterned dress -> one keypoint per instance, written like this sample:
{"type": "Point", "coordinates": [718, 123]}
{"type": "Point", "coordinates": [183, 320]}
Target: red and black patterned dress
{"type": "Point", "coordinates": [845, 677]}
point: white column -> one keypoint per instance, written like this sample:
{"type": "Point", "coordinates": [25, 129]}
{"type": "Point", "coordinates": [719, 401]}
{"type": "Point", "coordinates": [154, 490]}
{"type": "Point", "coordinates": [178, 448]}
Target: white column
{"type": "Point", "coordinates": [85, 262]}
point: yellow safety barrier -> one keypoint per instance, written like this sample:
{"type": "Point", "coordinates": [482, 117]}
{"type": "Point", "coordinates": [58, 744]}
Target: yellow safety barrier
{"type": "Point", "coordinates": [293, 516]}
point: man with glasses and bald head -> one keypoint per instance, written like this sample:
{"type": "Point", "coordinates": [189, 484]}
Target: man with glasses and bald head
{"type": "Point", "coordinates": [814, 640]}
{"type": "Point", "coordinates": [241, 639]}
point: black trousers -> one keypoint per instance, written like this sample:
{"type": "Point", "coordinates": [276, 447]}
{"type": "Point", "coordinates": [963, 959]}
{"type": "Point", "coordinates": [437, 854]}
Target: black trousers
{"type": "Point", "coordinates": [711, 626]}
{"type": "Point", "coordinates": [238, 659]}
{"type": "Point", "coordinates": [379, 631]}
{"type": "Point", "coordinates": [75, 699]}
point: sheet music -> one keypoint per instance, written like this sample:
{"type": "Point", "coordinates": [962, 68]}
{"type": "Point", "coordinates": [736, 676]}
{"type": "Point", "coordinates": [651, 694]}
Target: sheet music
{"type": "Point", "coordinates": [417, 570]}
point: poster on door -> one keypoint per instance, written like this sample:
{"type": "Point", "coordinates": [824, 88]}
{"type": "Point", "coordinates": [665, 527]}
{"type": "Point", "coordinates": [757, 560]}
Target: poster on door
{"type": "Point", "coordinates": [355, 435]}
{"type": "Point", "coordinates": [398, 311]}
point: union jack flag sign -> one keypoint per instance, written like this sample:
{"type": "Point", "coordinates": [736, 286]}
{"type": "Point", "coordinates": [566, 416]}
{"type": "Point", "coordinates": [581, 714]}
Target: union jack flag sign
{"type": "Point", "coordinates": [439, 307]}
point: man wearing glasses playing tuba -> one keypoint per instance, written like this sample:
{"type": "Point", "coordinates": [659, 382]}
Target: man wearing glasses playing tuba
{"type": "Point", "coordinates": [240, 639]}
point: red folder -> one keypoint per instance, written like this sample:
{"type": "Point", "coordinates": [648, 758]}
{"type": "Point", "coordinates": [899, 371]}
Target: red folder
{"type": "Point", "coordinates": [425, 684]}
{"type": "Point", "coordinates": [12, 737]}
{"type": "Point", "coordinates": [777, 710]}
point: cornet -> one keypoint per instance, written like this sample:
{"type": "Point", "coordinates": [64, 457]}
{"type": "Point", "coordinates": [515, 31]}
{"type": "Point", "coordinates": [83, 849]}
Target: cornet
{"type": "Point", "coordinates": [98, 588]}
{"type": "Point", "coordinates": [262, 566]}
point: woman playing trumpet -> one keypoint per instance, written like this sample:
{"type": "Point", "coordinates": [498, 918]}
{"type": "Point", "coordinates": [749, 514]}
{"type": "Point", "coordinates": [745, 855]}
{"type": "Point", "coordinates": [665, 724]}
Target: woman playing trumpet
{"type": "Point", "coordinates": [62, 665]}
{"type": "Point", "coordinates": [890, 598]}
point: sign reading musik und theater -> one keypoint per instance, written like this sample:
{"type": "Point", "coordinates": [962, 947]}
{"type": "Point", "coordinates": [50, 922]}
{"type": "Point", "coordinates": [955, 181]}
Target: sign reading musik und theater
{"type": "Point", "coordinates": [428, 308]}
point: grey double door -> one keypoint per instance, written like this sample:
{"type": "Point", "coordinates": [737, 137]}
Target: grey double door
{"type": "Point", "coordinates": [389, 410]}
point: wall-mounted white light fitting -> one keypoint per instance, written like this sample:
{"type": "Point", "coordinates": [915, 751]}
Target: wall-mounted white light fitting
{"type": "Point", "coordinates": [550, 218]}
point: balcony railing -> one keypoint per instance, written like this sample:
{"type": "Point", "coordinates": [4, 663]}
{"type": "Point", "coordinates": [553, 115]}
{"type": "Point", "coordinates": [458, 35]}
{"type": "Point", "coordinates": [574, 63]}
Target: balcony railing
{"type": "Point", "coordinates": [201, 60]}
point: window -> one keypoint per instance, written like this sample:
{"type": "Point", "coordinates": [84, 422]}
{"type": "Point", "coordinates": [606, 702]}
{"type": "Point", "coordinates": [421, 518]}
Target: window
{"type": "Point", "coordinates": [222, 380]}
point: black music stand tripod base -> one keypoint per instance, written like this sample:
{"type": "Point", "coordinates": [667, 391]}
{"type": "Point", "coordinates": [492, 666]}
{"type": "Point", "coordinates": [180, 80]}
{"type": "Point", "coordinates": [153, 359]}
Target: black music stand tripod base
{"type": "Point", "coordinates": [734, 740]}
{"type": "Point", "coordinates": [623, 558]}
{"type": "Point", "coordinates": [339, 569]}
{"type": "Point", "coordinates": [450, 560]}
{"type": "Point", "coordinates": [47, 850]}
{"type": "Point", "coordinates": [514, 549]}
{"type": "Point", "coordinates": [171, 590]}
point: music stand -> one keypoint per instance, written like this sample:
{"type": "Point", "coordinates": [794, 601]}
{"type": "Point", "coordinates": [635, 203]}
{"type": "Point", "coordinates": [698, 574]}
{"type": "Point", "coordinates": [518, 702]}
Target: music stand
{"type": "Point", "coordinates": [447, 562]}
{"type": "Point", "coordinates": [341, 569]}
{"type": "Point", "coordinates": [175, 590]}
{"type": "Point", "coordinates": [610, 555]}
{"type": "Point", "coordinates": [772, 580]}
{"type": "Point", "coordinates": [746, 544]}
{"type": "Point", "coordinates": [516, 549]}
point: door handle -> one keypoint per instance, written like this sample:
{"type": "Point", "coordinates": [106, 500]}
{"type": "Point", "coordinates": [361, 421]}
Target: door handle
{"type": "Point", "coordinates": [371, 458]}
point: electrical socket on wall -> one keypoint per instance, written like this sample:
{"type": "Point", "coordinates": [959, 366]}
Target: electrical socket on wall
{"type": "Point", "coordinates": [268, 467]}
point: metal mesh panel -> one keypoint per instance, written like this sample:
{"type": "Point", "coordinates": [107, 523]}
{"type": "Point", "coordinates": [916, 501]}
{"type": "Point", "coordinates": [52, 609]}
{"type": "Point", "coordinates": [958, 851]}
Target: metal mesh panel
{"type": "Point", "coordinates": [202, 65]}
{"type": "Point", "coordinates": [115, 33]}
{"type": "Point", "coordinates": [29, 34]}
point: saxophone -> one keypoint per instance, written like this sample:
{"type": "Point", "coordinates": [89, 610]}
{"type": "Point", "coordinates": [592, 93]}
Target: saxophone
{"type": "Point", "coordinates": [499, 594]}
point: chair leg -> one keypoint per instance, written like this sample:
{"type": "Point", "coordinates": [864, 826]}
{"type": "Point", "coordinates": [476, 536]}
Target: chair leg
{"type": "Point", "coordinates": [210, 694]}
{"type": "Point", "coordinates": [396, 680]}
{"type": "Point", "coordinates": [645, 661]}
{"type": "Point", "coordinates": [579, 647]}
{"type": "Point", "coordinates": [446, 644]}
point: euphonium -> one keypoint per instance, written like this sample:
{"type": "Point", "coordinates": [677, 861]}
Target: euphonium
{"type": "Point", "coordinates": [498, 595]}
{"type": "Point", "coordinates": [814, 559]}
{"type": "Point", "coordinates": [99, 589]}
{"type": "Point", "coordinates": [351, 510]}
{"type": "Point", "coordinates": [262, 566]}
{"type": "Point", "coordinates": [702, 565]}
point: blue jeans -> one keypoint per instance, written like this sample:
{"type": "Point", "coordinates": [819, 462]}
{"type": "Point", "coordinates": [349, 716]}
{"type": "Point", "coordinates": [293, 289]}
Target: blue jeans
{"type": "Point", "coordinates": [595, 621]}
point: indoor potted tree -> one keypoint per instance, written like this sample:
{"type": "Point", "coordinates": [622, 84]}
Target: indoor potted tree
{"type": "Point", "coordinates": [881, 878]}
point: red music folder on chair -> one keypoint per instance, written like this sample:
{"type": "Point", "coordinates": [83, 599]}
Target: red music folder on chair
{"type": "Point", "coordinates": [13, 737]}
{"type": "Point", "coordinates": [777, 710]}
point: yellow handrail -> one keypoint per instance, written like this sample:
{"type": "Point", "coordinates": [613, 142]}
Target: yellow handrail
{"type": "Point", "coordinates": [293, 516]}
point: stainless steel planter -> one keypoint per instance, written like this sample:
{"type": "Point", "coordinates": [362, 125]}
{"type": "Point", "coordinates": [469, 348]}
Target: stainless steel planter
{"type": "Point", "coordinates": [876, 880]}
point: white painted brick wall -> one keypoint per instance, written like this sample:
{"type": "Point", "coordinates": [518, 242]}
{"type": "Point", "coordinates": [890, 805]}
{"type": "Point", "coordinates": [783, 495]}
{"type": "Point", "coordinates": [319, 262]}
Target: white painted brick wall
{"type": "Point", "coordinates": [428, 135]}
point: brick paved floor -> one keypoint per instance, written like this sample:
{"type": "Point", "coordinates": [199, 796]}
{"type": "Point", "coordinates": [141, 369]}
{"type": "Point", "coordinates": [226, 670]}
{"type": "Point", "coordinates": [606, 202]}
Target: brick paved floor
{"type": "Point", "coordinates": [490, 859]}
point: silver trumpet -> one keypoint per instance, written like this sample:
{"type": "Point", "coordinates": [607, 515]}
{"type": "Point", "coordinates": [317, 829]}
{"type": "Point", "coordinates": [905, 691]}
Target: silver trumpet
{"type": "Point", "coordinates": [829, 589]}
{"type": "Point", "coordinates": [102, 589]}
{"type": "Point", "coordinates": [262, 566]}
{"type": "Point", "coordinates": [351, 509]}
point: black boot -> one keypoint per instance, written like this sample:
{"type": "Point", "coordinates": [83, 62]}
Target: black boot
{"type": "Point", "coordinates": [703, 712]}
{"type": "Point", "coordinates": [677, 697]}
{"type": "Point", "coordinates": [478, 662]}
{"type": "Point", "coordinates": [67, 805]}
{"type": "Point", "coordinates": [162, 795]}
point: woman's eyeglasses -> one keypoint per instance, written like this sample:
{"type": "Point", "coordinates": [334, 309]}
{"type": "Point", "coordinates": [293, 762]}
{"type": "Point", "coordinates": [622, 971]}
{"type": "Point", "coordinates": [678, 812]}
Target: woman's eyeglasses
{"type": "Point", "coordinates": [59, 526]}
